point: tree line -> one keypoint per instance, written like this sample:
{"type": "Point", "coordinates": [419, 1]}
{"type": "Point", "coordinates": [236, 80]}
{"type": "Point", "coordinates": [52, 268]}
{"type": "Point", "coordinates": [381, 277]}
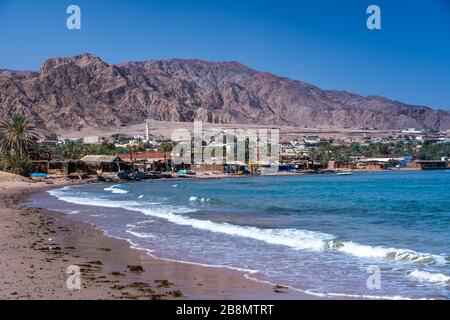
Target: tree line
{"type": "Point", "coordinates": [19, 139]}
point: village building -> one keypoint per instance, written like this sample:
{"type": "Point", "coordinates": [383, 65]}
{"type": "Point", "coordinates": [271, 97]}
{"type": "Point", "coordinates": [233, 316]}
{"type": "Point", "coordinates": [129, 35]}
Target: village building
{"type": "Point", "coordinates": [49, 142]}
{"type": "Point", "coordinates": [434, 164]}
{"type": "Point", "coordinates": [383, 162]}
{"type": "Point", "coordinates": [149, 161]}
{"type": "Point", "coordinates": [93, 140]}
{"type": "Point", "coordinates": [101, 163]}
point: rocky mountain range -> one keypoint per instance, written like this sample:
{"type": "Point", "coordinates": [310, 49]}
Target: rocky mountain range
{"type": "Point", "coordinates": [84, 91]}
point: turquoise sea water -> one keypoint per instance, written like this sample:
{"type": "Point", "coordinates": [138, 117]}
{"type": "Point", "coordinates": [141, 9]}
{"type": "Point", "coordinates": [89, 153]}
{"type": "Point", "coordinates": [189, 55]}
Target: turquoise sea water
{"type": "Point", "coordinates": [320, 234]}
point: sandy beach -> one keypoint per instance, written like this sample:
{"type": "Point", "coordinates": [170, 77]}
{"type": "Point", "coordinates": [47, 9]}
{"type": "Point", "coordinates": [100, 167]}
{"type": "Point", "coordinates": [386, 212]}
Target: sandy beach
{"type": "Point", "coordinates": [37, 246]}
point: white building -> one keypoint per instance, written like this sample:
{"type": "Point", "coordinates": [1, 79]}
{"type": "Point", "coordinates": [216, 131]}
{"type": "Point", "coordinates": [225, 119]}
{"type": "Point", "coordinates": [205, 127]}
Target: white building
{"type": "Point", "coordinates": [414, 131]}
{"type": "Point", "coordinates": [93, 140]}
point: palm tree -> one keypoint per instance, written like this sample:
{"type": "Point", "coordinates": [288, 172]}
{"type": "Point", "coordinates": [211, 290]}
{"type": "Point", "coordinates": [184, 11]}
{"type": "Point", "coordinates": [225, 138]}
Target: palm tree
{"type": "Point", "coordinates": [139, 145]}
{"type": "Point", "coordinates": [130, 150]}
{"type": "Point", "coordinates": [17, 164]}
{"type": "Point", "coordinates": [17, 135]}
{"type": "Point", "coordinates": [71, 151]}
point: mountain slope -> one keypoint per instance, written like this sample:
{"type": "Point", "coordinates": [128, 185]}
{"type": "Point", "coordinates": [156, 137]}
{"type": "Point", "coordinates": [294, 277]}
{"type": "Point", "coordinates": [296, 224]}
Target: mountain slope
{"type": "Point", "coordinates": [84, 91]}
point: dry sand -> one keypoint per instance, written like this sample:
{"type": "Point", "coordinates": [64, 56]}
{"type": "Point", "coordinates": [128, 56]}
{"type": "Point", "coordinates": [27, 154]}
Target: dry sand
{"type": "Point", "coordinates": [37, 246]}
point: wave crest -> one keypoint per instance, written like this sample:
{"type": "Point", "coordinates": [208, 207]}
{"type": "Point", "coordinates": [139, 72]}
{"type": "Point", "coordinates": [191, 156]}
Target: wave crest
{"type": "Point", "coordinates": [433, 278]}
{"type": "Point", "coordinates": [115, 189]}
{"type": "Point", "coordinates": [293, 238]}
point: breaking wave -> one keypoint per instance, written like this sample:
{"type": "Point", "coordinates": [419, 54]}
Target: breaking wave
{"type": "Point", "coordinates": [199, 199]}
{"type": "Point", "coordinates": [115, 189]}
{"type": "Point", "coordinates": [140, 234]}
{"type": "Point", "coordinates": [433, 278]}
{"type": "Point", "coordinates": [400, 255]}
{"type": "Point", "coordinates": [294, 238]}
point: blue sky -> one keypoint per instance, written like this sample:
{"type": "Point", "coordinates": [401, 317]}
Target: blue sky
{"type": "Point", "coordinates": [325, 43]}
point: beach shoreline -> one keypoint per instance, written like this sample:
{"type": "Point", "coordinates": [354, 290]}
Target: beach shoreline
{"type": "Point", "coordinates": [38, 245]}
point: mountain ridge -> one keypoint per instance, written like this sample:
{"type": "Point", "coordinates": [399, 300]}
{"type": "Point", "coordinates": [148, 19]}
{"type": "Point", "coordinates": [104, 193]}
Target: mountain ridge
{"type": "Point", "coordinates": [85, 91]}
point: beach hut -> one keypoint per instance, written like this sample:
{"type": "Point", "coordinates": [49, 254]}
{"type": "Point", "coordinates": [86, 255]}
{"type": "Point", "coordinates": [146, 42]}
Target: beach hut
{"type": "Point", "coordinates": [65, 167]}
{"type": "Point", "coordinates": [149, 161]}
{"type": "Point", "coordinates": [41, 161]}
{"type": "Point", "coordinates": [433, 164]}
{"type": "Point", "coordinates": [103, 163]}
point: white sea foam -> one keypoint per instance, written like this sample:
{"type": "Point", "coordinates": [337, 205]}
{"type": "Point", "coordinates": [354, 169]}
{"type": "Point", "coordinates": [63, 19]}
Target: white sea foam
{"type": "Point", "coordinates": [140, 234]}
{"type": "Point", "coordinates": [293, 238]}
{"type": "Point", "coordinates": [400, 255]}
{"type": "Point", "coordinates": [137, 224]}
{"type": "Point", "coordinates": [141, 196]}
{"type": "Point", "coordinates": [433, 278]}
{"type": "Point", "coordinates": [115, 189]}
{"type": "Point", "coordinates": [302, 239]}
{"type": "Point", "coordinates": [202, 200]}
{"type": "Point", "coordinates": [250, 274]}
{"type": "Point", "coordinates": [298, 239]}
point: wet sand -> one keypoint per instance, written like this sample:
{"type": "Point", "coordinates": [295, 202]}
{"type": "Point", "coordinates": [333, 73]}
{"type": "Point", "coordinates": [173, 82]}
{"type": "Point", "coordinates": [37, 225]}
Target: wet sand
{"type": "Point", "coordinates": [37, 246]}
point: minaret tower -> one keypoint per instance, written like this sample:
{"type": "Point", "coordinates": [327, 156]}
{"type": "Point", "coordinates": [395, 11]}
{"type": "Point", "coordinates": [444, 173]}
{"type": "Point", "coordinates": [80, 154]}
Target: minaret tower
{"type": "Point", "coordinates": [147, 130]}
{"type": "Point", "coordinates": [148, 122]}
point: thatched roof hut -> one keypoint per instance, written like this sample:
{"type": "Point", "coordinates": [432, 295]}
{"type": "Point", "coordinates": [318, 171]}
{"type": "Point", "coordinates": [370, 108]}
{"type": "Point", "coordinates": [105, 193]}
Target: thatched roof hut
{"type": "Point", "coordinates": [99, 159]}
{"type": "Point", "coordinates": [104, 163]}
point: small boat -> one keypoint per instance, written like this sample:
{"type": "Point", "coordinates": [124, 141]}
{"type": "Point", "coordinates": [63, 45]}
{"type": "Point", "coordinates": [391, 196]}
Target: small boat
{"type": "Point", "coordinates": [38, 175]}
{"type": "Point", "coordinates": [347, 173]}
